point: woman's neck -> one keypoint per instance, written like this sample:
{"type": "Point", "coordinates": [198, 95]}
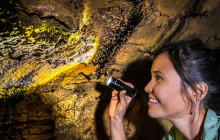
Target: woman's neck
{"type": "Point", "coordinates": [191, 126]}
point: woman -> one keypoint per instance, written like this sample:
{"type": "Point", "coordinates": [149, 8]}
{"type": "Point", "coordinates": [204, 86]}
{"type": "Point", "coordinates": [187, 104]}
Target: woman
{"type": "Point", "coordinates": [184, 89]}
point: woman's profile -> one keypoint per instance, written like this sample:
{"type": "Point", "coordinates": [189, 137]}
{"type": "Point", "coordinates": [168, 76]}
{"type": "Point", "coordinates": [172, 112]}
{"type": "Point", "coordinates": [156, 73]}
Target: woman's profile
{"type": "Point", "coordinates": [184, 89]}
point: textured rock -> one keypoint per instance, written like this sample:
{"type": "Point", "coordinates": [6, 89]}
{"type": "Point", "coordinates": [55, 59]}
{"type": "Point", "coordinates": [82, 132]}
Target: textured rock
{"type": "Point", "coordinates": [26, 117]}
{"type": "Point", "coordinates": [65, 13]}
{"type": "Point", "coordinates": [44, 95]}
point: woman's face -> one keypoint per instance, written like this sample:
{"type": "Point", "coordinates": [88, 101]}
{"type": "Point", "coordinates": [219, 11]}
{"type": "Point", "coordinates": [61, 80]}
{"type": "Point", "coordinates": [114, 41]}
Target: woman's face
{"type": "Point", "coordinates": [165, 98]}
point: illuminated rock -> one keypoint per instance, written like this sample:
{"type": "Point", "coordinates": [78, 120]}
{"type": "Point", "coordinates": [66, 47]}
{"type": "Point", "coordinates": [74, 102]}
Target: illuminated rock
{"type": "Point", "coordinates": [56, 55]}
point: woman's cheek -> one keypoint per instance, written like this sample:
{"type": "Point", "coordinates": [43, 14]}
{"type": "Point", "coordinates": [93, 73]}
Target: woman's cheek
{"type": "Point", "coordinates": [160, 93]}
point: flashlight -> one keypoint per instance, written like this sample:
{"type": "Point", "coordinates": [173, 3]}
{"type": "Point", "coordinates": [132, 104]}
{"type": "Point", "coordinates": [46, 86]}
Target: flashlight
{"type": "Point", "coordinates": [118, 85]}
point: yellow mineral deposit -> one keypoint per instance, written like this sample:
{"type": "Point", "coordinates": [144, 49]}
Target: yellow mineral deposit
{"type": "Point", "coordinates": [85, 50]}
{"type": "Point", "coordinates": [47, 73]}
{"type": "Point", "coordinates": [87, 13]}
{"type": "Point", "coordinates": [33, 35]}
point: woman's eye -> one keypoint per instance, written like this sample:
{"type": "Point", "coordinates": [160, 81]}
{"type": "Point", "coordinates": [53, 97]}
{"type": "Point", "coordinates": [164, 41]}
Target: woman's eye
{"type": "Point", "coordinates": [157, 77]}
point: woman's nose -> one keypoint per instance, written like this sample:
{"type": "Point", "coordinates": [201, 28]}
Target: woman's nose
{"type": "Point", "coordinates": [148, 88]}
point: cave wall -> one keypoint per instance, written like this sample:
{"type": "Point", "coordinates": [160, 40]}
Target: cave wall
{"type": "Point", "coordinates": [56, 55]}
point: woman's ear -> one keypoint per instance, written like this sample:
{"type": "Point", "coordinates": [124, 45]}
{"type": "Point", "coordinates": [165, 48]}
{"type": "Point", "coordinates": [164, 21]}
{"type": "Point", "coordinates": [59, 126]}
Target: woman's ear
{"type": "Point", "coordinates": [202, 89]}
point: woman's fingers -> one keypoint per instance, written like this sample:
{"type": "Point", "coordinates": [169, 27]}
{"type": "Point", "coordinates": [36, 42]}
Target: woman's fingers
{"type": "Point", "coordinates": [114, 103]}
{"type": "Point", "coordinates": [125, 99]}
{"type": "Point", "coordinates": [122, 97]}
{"type": "Point", "coordinates": [115, 94]}
{"type": "Point", "coordinates": [119, 103]}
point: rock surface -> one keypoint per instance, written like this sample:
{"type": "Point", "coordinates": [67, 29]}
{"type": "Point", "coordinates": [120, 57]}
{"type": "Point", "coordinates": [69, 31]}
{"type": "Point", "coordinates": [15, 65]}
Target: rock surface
{"type": "Point", "coordinates": [56, 55]}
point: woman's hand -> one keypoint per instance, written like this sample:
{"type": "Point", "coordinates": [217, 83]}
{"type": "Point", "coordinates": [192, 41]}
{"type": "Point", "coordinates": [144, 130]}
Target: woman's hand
{"type": "Point", "coordinates": [118, 106]}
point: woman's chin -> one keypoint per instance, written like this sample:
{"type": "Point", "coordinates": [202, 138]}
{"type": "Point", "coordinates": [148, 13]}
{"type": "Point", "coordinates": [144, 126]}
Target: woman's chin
{"type": "Point", "coordinates": [153, 113]}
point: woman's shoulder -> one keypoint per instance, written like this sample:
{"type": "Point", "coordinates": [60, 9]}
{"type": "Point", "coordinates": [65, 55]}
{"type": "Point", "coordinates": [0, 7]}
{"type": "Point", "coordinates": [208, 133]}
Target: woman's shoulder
{"type": "Point", "coordinates": [211, 126]}
{"type": "Point", "coordinates": [174, 134]}
{"type": "Point", "coordinates": [211, 129]}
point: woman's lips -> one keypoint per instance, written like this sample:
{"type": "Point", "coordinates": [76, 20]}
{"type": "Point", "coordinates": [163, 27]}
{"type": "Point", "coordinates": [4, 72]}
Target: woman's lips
{"type": "Point", "coordinates": [152, 101]}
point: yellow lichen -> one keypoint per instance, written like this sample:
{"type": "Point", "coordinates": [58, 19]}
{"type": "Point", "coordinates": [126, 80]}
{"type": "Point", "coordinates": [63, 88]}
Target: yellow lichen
{"type": "Point", "coordinates": [87, 13]}
{"type": "Point", "coordinates": [85, 45]}
{"type": "Point", "coordinates": [46, 73]}
{"type": "Point", "coordinates": [15, 74]}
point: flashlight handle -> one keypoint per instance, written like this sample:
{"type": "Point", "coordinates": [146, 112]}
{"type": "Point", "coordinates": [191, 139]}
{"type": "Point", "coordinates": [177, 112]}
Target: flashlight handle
{"type": "Point", "coordinates": [130, 91]}
{"type": "Point", "coordinates": [118, 85]}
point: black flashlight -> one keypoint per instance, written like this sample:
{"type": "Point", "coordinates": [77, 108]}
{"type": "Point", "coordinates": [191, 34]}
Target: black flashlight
{"type": "Point", "coordinates": [118, 85]}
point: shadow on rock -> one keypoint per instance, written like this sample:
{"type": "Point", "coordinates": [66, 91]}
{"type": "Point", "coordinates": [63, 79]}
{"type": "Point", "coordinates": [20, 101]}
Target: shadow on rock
{"type": "Point", "coordinates": [145, 128]}
{"type": "Point", "coordinates": [100, 110]}
{"type": "Point", "coordinates": [25, 117]}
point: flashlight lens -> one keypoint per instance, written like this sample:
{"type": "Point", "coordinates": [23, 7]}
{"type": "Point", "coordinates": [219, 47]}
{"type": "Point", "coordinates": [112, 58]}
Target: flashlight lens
{"type": "Point", "coordinates": [109, 80]}
{"type": "Point", "coordinates": [118, 85]}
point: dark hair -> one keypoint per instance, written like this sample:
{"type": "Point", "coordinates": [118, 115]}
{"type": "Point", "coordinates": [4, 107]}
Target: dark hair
{"type": "Point", "coordinates": [194, 63]}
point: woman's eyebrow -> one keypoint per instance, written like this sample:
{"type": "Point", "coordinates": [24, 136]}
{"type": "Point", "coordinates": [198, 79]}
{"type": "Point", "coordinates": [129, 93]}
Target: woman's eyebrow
{"type": "Point", "coordinates": [156, 72]}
